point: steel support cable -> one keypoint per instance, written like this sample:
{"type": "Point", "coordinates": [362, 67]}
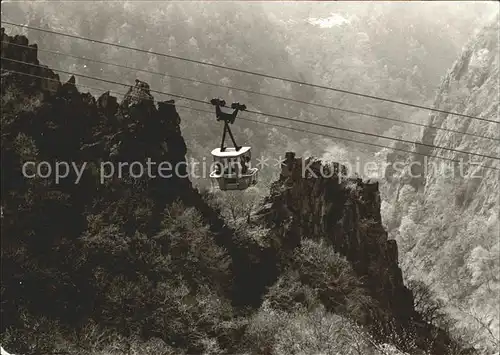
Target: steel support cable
{"type": "Point", "coordinates": [265, 114]}
{"type": "Point", "coordinates": [255, 92]}
{"type": "Point", "coordinates": [269, 124]}
{"type": "Point", "coordinates": [251, 73]}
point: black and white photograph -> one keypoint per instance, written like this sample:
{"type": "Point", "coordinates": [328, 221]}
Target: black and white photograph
{"type": "Point", "coordinates": [220, 177]}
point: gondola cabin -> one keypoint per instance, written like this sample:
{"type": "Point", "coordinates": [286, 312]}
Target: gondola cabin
{"type": "Point", "coordinates": [231, 169]}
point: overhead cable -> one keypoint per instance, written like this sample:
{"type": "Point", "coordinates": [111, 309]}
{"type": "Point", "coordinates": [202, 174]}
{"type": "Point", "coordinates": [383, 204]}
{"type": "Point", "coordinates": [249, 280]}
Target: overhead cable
{"type": "Point", "coordinates": [250, 72]}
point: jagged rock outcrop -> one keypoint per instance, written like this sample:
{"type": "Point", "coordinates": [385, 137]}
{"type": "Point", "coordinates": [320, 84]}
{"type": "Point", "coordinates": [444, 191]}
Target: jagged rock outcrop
{"type": "Point", "coordinates": [18, 50]}
{"type": "Point", "coordinates": [313, 200]}
{"type": "Point", "coordinates": [347, 214]}
{"type": "Point", "coordinates": [133, 131]}
{"type": "Point", "coordinates": [44, 120]}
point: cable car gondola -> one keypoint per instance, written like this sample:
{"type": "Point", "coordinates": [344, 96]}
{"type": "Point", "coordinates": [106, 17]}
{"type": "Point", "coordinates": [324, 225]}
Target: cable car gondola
{"type": "Point", "coordinates": [231, 165]}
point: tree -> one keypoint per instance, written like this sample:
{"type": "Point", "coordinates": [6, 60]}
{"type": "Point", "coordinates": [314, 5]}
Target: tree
{"type": "Point", "coordinates": [239, 204]}
{"type": "Point", "coordinates": [429, 307]}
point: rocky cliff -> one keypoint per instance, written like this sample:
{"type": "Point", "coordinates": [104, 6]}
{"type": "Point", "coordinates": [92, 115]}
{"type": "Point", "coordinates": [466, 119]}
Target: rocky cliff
{"type": "Point", "coordinates": [49, 122]}
{"type": "Point", "coordinates": [347, 214]}
{"type": "Point", "coordinates": [313, 200]}
{"type": "Point", "coordinates": [446, 218]}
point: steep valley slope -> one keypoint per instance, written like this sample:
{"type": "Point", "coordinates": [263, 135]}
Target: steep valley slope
{"type": "Point", "coordinates": [446, 221]}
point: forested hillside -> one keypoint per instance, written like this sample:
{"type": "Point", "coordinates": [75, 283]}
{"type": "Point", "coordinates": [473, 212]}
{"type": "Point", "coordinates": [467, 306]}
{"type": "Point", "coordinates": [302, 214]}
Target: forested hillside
{"type": "Point", "coordinates": [444, 219]}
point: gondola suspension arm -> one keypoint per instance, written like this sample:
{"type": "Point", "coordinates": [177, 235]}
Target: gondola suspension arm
{"type": "Point", "coordinates": [228, 118]}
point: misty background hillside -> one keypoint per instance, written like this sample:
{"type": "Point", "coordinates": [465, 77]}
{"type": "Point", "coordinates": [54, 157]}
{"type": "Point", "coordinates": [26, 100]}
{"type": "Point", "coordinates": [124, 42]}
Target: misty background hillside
{"type": "Point", "coordinates": [400, 51]}
{"type": "Point", "coordinates": [224, 272]}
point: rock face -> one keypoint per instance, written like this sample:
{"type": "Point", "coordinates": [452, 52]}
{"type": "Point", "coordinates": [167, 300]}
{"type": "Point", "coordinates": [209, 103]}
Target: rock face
{"type": "Point", "coordinates": [445, 217]}
{"type": "Point", "coordinates": [471, 87]}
